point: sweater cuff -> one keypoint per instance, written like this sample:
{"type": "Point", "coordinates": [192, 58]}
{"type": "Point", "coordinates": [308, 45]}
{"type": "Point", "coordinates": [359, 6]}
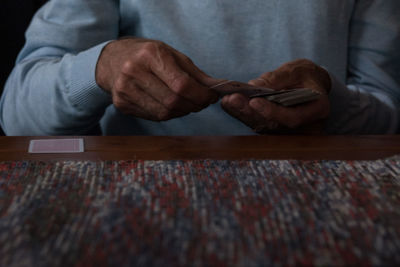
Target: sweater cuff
{"type": "Point", "coordinates": [84, 92]}
{"type": "Point", "coordinates": [338, 96]}
{"type": "Point", "coordinates": [339, 103]}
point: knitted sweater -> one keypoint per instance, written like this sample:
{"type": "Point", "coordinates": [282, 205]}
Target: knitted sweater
{"type": "Point", "coordinates": [52, 89]}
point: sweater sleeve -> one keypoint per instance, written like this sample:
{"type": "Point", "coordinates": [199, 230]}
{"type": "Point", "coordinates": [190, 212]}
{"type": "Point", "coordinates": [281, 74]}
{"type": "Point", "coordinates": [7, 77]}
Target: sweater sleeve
{"type": "Point", "coordinates": [368, 102]}
{"type": "Point", "coordinates": [52, 88]}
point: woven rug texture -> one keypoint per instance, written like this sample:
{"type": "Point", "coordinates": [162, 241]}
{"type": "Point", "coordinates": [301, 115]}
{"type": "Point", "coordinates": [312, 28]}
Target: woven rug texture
{"type": "Point", "coordinates": [200, 213]}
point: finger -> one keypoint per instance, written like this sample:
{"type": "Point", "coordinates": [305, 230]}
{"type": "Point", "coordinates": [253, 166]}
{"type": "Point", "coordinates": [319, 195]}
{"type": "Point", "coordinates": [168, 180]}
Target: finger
{"type": "Point", "coordinates": [157, 89]}
{"type": "Point", "coordinates": [167, 68]}
{"type": "Point", "coordinates": [279, 80]}
{"type": "Point", "coordinates": [282, 79]}
{"type": "Point", "coordinates": [237, 106]}
{"type": "Point", "coordinates": [258, 82]}
{"type": "Point", "coordinates": [187, 64]}
{"type": "Point", "coordinates": [287, 76]}
{"type": "Point", "coordinates": [291, 117]}
{"type": "Point", "coordinates": [128, 108]}
{"type": "Point", "coordinates": [297, 74]}
{"type": "Point", "coordinates": [129, 98]}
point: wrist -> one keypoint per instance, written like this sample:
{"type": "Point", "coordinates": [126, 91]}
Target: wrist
{"type": "Point", "coordinates": [103, 68]}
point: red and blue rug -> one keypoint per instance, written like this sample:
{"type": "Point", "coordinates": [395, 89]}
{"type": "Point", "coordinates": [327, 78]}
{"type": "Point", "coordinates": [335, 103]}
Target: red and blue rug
{"type": "Point", "coordinates": [200, 213]}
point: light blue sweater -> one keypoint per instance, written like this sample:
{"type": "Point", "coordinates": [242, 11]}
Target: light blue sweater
{"type": "Point", "coordinates": [52, 90]}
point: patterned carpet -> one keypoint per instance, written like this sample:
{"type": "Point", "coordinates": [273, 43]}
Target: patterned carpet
{"type": "Point", "coordinates": [200, 213]}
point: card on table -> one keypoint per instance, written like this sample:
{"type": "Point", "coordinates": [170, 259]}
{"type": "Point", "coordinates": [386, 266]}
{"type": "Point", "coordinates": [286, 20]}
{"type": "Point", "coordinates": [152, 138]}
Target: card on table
{"type": "Point", "coordinates": [286, 98]}
{"type": "Point", "coordinates": [73, 145]}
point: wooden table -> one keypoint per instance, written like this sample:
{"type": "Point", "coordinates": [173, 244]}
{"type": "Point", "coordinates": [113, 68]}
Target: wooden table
{"type": "Point", "coordinates": [222, 147]}
{"type": "Point", "coordinates": [57, 213]}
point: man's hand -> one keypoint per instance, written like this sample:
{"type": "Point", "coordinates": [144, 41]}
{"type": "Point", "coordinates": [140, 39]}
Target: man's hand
{"type": "Point", "coordinates": [264, 116]}
{"type": "Point", "coordinates": [151, 80]}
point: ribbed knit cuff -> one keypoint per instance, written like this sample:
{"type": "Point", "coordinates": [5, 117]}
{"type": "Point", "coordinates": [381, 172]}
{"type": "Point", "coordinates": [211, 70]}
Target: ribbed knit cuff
{"type": "Point", "coordinates": [339, 102]}
{"type": "Point", "coordinates": [83, 89]}
{"type": "Point", "coordinates": [338, 95]}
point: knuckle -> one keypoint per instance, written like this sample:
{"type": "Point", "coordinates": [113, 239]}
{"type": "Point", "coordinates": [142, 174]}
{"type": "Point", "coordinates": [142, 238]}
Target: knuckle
{"type": "Point", "coordinates": [301, 62]}
{"type": "Point", "coordinates": [127, 66]}
{"type": "Point", "coordinates": [163, 115]}
{"type": "Point", "coordinates": [144, 54]}
{"type": "Point", "coordinates": [171, 102]}
{"type": "Point", "coordinates": [156, 44]}
{"type": "Point", "coordinates": [304, 61]}
{"type": "Point", "coordinates": [149, 49]}
{"type": "Point", "coordinates": [267, 75]}
{"type": "Point", "coordinates": [152, 53]}
{"type": "Point", "coordinates": [118, 102]}
{"type": "Point", "coordinates": [119, 85]}
{"type": "Point", "coordinates": [180, 83]}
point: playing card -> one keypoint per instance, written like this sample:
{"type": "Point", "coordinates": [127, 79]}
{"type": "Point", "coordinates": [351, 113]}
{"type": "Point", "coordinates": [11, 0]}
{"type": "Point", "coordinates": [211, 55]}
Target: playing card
{"type": "Point", "coordinates": [56, 146]}
{"type": "Point", "coordinates": [294, 97]}
{"type": "Point", "coordinates": [230, 87]}
{"type": "Point", "coordinates": [284, 97]}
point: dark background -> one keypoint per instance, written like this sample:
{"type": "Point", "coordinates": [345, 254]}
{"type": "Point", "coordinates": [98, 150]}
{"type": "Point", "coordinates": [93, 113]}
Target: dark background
{"type": "Point", "coordinates": [15, 16]}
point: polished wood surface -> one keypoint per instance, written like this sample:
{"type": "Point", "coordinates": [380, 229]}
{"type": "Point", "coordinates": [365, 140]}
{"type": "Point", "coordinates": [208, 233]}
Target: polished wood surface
{"type": "Point", "coordinates": [222, 147]}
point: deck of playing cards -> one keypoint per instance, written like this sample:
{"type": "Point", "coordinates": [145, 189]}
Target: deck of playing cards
{"type": "Point", "coordinates": [286, 98]}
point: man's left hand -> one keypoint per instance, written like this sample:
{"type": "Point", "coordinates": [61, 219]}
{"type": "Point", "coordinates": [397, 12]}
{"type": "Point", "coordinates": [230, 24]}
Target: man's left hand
{"type": "Point", "coordinates": [264, 116]}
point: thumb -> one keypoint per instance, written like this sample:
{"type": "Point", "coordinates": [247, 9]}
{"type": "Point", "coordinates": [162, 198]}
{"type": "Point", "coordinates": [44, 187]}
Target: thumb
{"type": "Point", "coordinates": [260, 82]}
{"type": "Point", "coordinates": [209, 81]}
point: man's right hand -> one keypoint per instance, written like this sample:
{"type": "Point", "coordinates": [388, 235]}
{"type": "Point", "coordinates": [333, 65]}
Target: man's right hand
{"type": "Point", "coordinates": [153, 81]}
